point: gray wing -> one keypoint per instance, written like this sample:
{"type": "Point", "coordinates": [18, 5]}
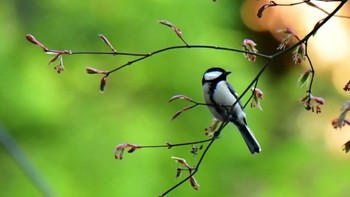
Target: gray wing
{"type": "Point", "coordinates": [234, 94]}
{"type": "Point", "coordinates": [246, 133]}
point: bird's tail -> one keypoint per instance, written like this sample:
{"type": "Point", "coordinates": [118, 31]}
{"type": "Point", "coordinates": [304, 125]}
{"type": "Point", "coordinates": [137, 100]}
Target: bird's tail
{"type": "Point", "coordinates": [249, 139]}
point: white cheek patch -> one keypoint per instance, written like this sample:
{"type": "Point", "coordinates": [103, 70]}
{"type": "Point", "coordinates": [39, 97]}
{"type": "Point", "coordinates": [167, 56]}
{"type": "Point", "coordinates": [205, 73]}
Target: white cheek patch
{"type": "Point", "coordinates": [212, 75]}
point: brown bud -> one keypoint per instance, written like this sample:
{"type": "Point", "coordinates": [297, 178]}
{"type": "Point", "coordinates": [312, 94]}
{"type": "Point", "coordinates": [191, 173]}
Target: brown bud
{"type": "Point", "coordinates": [103, 83]}
{"type": "Point", "coordinates": [318, 100]}
{"type": "Point", "coordinates": [90, 70]}
{"type": "Point", "coordinates": [194, 183]}
{"type": "Point", "coordinates": [107, 42]}
{"type": "Point", "coordinates": [31, 39]}
{"type": "Point", "coordinates": [182, 97]}
{"type": "Point", "coordinates": [264, 7]}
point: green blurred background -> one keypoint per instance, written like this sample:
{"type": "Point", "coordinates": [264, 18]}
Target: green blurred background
{"type": "Point", "coordinates": [68, 129]}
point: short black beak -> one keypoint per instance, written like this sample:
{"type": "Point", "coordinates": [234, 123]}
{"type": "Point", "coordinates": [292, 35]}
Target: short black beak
{"type": "Point", "coordinates": [227, 73]}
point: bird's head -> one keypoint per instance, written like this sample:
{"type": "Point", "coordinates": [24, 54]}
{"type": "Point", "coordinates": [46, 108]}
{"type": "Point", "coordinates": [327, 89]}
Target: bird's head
{"type": "Point", "coordinates": [215, 74]}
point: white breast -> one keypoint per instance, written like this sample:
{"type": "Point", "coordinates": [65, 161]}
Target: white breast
{"type": "Point", "coordinates": [223, 97]}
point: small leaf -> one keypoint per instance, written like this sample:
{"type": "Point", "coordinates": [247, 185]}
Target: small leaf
{"type": "Point", "coordinates": [304, 78]}
{"type": "Point", "coordinates": [299, 53]}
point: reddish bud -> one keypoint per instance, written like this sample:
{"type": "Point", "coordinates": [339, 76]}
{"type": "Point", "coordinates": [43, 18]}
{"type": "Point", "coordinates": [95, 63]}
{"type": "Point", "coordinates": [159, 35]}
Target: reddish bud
{"type": "Point", "coordinates": [194, 183]}
{"type": "Point", "coordinates": [312, 103]}
{"type": "Point", "coordinates": [249, 46]}
{"type": "Point", "coordinates": [32, 39]}
{"type": "Point", "coordinates": [257, 95]}
{"type": "Point", "coordinates": [182, 161]}
{"type": "Point", "coordinates": [264, 7]}
{"type": "Point", "coordinates": [182, 110]}
{"type": "Point", "coordinates": [90, 70]}
{"type": "Point", "coordinates": [119, 150]}
{"type": "Point", "coordinates": [174, 28]}
{"type": "Point", "coordinates": [192, 180]}
{"type": "Point", "coordinates": [107, 42]}
{"type": "Point", "coordinates": [318, 100]}
{"type": "Point", "coordinates": [181, 97]}
{"type": "Point", "coordinates": [103, 83]}
{"type": "Point", "coordinates": [248, 42]}
{"type": "Point", "coordinates": [177, 114]}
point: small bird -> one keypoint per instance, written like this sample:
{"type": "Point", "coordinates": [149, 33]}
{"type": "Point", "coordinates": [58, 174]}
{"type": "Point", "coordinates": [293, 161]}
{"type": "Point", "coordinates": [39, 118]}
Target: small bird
{"type": "Point", "coordinates": [220, 96]}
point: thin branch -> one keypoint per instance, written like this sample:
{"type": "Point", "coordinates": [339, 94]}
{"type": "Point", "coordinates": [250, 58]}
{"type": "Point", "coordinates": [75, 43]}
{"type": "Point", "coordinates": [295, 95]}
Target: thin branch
{"type": "Point", "coordinates": [312, 70]}
{"type": "Point", "coordinates": [188, 47]}
{"type": "Point", "coordinates": [222, 126]}
{"type": "Point", "coordinates": [320, 24]}
{"type": "Point", "coordinates": [169, 145]}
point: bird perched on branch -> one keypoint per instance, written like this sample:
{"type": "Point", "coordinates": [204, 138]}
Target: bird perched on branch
{"type": "Point", "coordinates": [222, 102]}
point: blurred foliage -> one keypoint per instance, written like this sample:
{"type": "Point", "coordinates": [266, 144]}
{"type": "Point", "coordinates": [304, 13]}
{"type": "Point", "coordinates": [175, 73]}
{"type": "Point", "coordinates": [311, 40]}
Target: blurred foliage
{"type": "Point", "coordinates": [68, 129]}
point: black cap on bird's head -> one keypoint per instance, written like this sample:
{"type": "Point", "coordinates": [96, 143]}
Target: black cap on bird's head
{"type": "Point", "coordinates": [215, 73]}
